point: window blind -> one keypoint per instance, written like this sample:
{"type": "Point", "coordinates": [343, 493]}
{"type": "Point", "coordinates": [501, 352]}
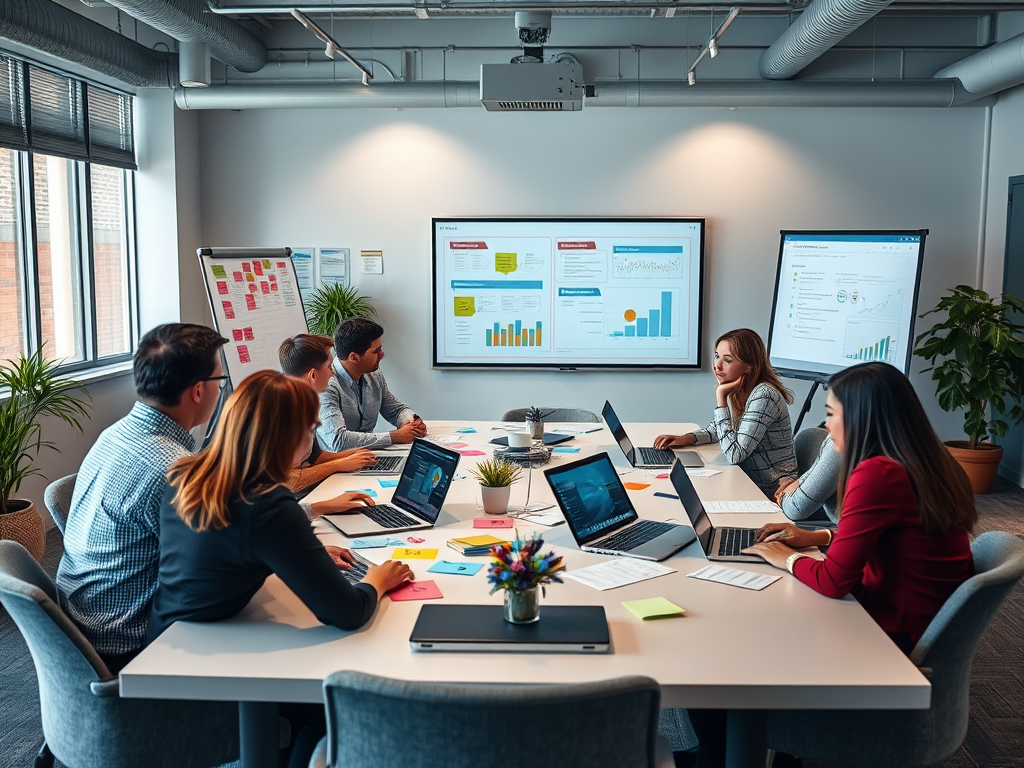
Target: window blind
{"type": "Point", "coordinates": [13, 127]}
{"type": "Point", "coordinates": [111, 128]}
{"type": "Point", "coordinates": [56, 115]}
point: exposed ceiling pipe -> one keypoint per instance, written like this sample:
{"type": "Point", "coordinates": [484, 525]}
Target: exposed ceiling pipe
{"type": "Point", "coordinates": [822, 25]}
{"type": "Point", "coordinates": [190, 21]}
{"type": "Point", "coordinates": [641, 93]}
{"type": "Point", "coordinates": [994, 69]}
{"type": "Point", "coordinates": [46, 26]}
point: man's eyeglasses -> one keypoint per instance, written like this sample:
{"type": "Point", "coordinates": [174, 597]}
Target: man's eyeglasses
{"type": "Point", "coordinates": [222, 381]}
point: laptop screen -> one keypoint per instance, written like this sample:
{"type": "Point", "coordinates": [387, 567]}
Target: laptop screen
{"type": "Point", "coordinates": [617, 431]}
{"type": "Point", "coordinates": [591, 497]}
{"type": "Point", "coordinates": [425, 480]}
{"type": "Point", "coordinates": [694, 507]}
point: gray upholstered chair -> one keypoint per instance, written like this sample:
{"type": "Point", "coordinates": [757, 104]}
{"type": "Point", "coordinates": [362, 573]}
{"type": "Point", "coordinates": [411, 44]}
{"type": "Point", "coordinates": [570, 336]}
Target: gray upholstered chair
{"type": "Point", "coordinates": [910, 738]}
{"type": "Point", "coordinates": [580, 415]}
{"type": "Point", "coordinates": [85, 721]}
{"type": "Point", "coordinates": [58, 499]}
{"type": "Point", "coordinates": [607, 724]}
{"type": "Point", "coordinates": [807, 444]}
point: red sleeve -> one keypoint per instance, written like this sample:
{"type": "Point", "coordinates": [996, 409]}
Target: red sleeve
{"type": "Point", "coordinates": [877, 496]}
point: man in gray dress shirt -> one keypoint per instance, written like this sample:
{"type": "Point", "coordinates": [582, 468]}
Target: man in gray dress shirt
{"type": "Point", "coordinates": [358, 394]}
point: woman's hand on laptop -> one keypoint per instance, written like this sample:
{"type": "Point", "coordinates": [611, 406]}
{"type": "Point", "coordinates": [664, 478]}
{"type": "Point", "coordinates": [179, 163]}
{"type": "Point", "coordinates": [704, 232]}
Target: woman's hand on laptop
{"type": "Point", "coordinates": [342, 558]}
{"type": "Point", "coordinates": [663, 442]}
{"type": "Point", "coordinates": [791, 535]}
{"type": "Point", "coordinates": [385, 577]}
{"type": "Point", "coordinates": [352, 501]}
{"type": "Point", "coordinates": [354, 460]}
{"type": "Point", "coordinates": [774, 552]}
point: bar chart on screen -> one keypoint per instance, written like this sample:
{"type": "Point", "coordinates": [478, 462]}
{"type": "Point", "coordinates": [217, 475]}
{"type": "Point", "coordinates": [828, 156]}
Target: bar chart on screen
{"type": "Point", "coordinates": [870, 340]}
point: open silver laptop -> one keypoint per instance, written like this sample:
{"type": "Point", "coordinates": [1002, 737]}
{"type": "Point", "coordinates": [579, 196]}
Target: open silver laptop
{"type": "Point", "coordinates": [387, 464]}
{"type": "Point", "coordinates": [718, 543]}
{"type": "Point", "coordinates": [601, 516]}
{"type": "Point", "coordinates": [646, 458]}
{"type": "Point", "coordinates": [416, 503]}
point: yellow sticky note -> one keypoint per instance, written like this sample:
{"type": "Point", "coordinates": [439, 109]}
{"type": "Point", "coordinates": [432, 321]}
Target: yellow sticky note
{"type": "Point", "coordinates": [465, 306]}
{"type": "Point", "coordinates": [653, 608]}
{"type": "Point", "coordinates": [404, 553]}
{"type": "Point", "coordinates": [506, 262]}
{"type": "Point", "coordinates": [636, 486]}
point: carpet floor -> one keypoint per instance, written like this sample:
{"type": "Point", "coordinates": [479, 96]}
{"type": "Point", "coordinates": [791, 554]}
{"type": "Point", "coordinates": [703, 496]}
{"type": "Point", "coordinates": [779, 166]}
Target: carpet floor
{"type": "Point", "coordinates": [995, 736]}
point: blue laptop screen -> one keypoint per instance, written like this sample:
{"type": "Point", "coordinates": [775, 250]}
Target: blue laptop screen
{"type": "Point", "coordinates": [428, 474]}
{"type": "Point", "coordinates": [591, 497]}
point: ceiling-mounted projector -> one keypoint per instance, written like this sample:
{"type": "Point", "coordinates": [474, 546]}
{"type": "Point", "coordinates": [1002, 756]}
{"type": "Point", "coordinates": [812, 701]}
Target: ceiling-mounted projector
{"type": "Point", "coordinates": [554, 87]}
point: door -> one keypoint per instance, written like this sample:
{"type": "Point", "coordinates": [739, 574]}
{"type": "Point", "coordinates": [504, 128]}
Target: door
{"type": "Point", "coordinates": [1013, 284]}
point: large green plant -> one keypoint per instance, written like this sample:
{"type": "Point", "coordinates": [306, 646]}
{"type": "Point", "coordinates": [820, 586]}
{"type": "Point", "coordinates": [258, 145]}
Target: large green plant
{"type": "Point", "coordinates": [33, 391]}
{"type": "Point", "coordinates": [984, 360]}
{"type": "Point", "coordinates": [333, 303]}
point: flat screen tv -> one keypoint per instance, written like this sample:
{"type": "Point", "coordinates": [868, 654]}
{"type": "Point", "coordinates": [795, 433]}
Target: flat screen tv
{"type": "Point", "coordinates": [843, 298]}
{"type": "Point", "coordinates": [568, 293]}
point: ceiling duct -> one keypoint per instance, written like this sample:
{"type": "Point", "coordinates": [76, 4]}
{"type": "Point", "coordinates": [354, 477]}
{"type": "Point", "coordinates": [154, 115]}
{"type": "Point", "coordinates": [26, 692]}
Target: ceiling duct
{"type": "Point", "coordinates": [190, 21]}
{"type": "Point", "coordinates": [53, 29]}
{"type": "Point", "coordinates": [823, 24]}
{"type": "Point", "coordinates": [994, 69]}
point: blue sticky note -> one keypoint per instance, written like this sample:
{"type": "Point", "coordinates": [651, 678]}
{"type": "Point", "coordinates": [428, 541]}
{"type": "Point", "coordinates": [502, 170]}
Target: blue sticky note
{"type": "Point", "coordinates": [368, 491]}
{"type": "Point", "coordinates": [565, 449]}
{"type": "Point", "coordinates": [387, 483]}
{"type": "Point", "coordinates": [367, 543]}
{"type": "Point", "coordinates": [459, 569]}
{"type": "Point", "coordinates": [465, 430]}
{"type": "Point", "coordinates": [666, 495]}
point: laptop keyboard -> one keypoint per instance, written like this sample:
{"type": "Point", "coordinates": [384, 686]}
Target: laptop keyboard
{"type": "Point", "coordinates": [656, 456]}
{"type": "Point", "coordinates": [388, 516]}
{"type": "Point", "coordinates": [733, 540]}
{"type": "Point", "coordinates": [634, 536]}
{"type": "Point", "coordinates": [358, 572]}
{"type": "Point", "coordinates": [386, 464]}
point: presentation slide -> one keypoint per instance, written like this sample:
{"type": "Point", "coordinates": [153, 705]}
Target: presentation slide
{"type": "Point", "coordinates": [568, 293]}
{"type": "Point", "coordinates": [843, 298]}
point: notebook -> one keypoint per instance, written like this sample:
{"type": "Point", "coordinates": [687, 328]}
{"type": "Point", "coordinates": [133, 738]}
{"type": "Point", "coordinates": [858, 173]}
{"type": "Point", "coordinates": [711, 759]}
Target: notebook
{"type": "Point", "coordinates": [646, 458]}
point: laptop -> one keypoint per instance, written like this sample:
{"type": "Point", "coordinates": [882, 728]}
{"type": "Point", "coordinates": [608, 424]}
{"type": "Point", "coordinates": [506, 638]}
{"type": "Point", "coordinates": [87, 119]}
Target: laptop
{"type": "Point", "coordinates": [717, 543]}
{"type": "Point", "coordinates": [387, 464]}
{"type": "Point", "coordinates": [601, 516]}
{"type": "Point", "coordinates": [561, 629]}
{"type": "Point", "coordinates": [416, 503]}
{"type": "Point", "coordinates": [646, 458]}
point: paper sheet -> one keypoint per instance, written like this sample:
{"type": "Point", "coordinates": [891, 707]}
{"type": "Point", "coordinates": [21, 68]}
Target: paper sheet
{"type": "Point", "coordinates": [734, 577]}
{"type": "Point", "coordinates": [693, 472]}
{"type": "Point", "coordinates": [618, 573]}
{"type": "Point", "coordinates": [733, 507]}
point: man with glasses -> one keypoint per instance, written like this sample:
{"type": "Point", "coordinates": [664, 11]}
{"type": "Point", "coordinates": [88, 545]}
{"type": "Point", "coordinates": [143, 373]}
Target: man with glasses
{"type": "Point", "coordinates": [357, 394]}
{"type": "Point", "coordinates": [108, 574]}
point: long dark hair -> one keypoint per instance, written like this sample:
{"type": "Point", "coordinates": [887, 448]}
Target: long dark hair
{"type": "Point", "coordinates": [883, 417]}
{"type": "Point", "coordinates": [747, 347]}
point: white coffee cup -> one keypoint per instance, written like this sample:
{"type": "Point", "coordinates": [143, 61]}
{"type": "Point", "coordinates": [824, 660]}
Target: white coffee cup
{"type": "Point", "coordinates": [519, 440]}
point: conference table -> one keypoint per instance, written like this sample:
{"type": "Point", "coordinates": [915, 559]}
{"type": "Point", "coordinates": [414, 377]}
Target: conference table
{"type": "Point", "coordinates": [744, 651]}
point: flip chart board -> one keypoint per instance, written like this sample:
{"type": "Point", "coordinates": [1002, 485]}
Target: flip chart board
{"type": "Point", "coordinates": [255, 300]}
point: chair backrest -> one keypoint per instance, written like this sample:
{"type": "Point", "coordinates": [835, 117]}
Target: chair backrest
{"type": "Point", "coordinates": [58, 499]}
{"type": "Point", "coordinates": [580, 415]}
{"type": "Point", "coordinates": [948, 644]}
{"type": "Point", "coordinates": [807, 444]}
{"type": "Point", "coordinates": [607, 724]}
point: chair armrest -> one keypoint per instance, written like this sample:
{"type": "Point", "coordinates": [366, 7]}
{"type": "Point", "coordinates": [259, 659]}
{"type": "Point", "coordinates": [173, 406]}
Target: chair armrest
{"type": "Point", "coordinates": [108, 689]}
{"type": "Point", "coordinates": [926, 671]}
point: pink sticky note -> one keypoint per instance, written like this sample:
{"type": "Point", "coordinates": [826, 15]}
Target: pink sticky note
{"type": "Point", "coordinates": [472, 452]}
{"type": "Point", "coordinates": [662, 476]}
{"type": "Point", "coordinates": [492, 522]}
{"type": "Point", "coordinates": [416, 590]}
{"type": "Point", "coordinates": [457, 446]}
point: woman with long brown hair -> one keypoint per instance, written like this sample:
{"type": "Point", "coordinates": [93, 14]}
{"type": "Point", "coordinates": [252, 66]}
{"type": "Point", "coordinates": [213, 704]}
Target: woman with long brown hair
{"type": "Point", "coordinates": [751, 418]}
{"type": "Point", "coordinates": [228, 520]}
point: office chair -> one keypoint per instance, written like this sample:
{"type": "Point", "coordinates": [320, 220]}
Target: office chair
{"type": "Point", "coordinates": [58, 499]}
{"type": "Point", "coordinates": [911, 738]}
{"type": "Point", "coordinates": [807, 445]}
{"type": "Point", "coordinates": [607, 724]}
{"type": "Point", "coordinates": [579, 415]}
{"type": "Point", "coordinates": [86, 723]}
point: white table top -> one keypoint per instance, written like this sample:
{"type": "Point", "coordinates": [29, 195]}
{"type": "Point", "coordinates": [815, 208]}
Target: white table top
{"type": "Point", "coordinates": [783, 647]}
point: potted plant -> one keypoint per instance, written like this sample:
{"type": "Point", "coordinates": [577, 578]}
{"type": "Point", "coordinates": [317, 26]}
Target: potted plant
{"type": "Point", "coordinates": [535, 422]}
{"type": "Point", "coordinates": [333, 303]}
{"type": "Point", "coordinates": [518, 568]}
{"type": "Point", "coordinates": [982, 366]}
{"type": "Point", "coordinates": [33, 391]}
{"type": "Point", "coordinates": [496, 477]}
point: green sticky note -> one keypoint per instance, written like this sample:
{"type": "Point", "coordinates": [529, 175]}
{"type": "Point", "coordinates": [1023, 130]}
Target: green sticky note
{"type": "Point", "coordinates": [218, 270]}
{"type": "Point", "coordinates": [653, 608]}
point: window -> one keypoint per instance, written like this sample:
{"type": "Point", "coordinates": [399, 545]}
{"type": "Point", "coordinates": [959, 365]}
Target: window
{"type": "Point", "coordinates": [66, 213]}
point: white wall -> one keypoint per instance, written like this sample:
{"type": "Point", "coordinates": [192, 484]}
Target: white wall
{"type": "Point", "coordinates": [373, 179]}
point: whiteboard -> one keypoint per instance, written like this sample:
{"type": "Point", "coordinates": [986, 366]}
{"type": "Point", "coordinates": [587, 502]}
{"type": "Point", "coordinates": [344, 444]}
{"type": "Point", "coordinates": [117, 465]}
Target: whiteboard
{"type": "Point", "coordinates": [255, 301]}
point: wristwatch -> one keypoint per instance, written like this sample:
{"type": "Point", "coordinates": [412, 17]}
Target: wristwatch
{"type": "Point", "coordinates": [792, 559]}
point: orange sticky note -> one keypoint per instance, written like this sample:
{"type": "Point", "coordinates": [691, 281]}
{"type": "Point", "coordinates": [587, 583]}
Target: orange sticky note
{"type": "Point", "coordinates": [636, 486]}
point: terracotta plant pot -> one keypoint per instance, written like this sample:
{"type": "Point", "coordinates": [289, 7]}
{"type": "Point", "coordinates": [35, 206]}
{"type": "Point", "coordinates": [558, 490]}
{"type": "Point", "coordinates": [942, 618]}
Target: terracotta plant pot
{"type": "Point", "coordinates": [23, 524]}
{"type": "Point", "coordinates": [980, 464]}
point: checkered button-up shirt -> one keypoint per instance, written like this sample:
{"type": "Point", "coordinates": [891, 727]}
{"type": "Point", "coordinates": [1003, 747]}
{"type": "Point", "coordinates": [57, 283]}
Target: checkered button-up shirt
{"type": "Point", "coordinates": [108, 574]}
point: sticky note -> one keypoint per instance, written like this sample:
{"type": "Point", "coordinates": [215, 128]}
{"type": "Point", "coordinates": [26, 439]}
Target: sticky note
{"type": "Point", "coordinates": [387, 483]}
{"type": "Point", "coordinates": [367, 543]}
{"type": "Point", "coordinates": [666, 495]}
{"type": "Point", "coordinates": [466, 430]}
{"type": "Point", "coordinates": [506, 262]}
{"type": "Point", "coordinates": [368, 491]}
{"type": "Point", "coordinates": [405, 553]}
{"type": "Point", "coordinates": [416, 590]}
{"type": "Point", "coordinates": [458, 569]}
{"type": "Point", "coordinates": [457, 446]}
{"type": "Point", "coordinates": [465, 306]}
{"type": "Point", "coordinates": [565, 449]}
{"type": "Point", "coordinates": [662, 476]}
{"type": "Point", "coordinates": [218, 270]}
{"type": "Point", "coordinates": [636, 486]}
{"type": "Point", "coordinates": [472, 452]}
{"type": "Point", "coordinates": [492, 522]}
{"type": "Point", "coordinates": [653, 608]}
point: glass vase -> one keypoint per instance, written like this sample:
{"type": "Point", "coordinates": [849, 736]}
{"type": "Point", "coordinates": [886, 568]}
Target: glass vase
{"type": "Point", "coordinates": [522, 606]}
{"type": "Point", "coordinates": [535, 428]}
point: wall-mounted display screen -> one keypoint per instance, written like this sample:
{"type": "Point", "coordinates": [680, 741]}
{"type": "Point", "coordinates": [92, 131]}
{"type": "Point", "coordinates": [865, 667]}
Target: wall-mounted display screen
{"type": "Point", "coordinates": [843, 298]}
{"type": "Point", "coordinates": [568, 293]}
